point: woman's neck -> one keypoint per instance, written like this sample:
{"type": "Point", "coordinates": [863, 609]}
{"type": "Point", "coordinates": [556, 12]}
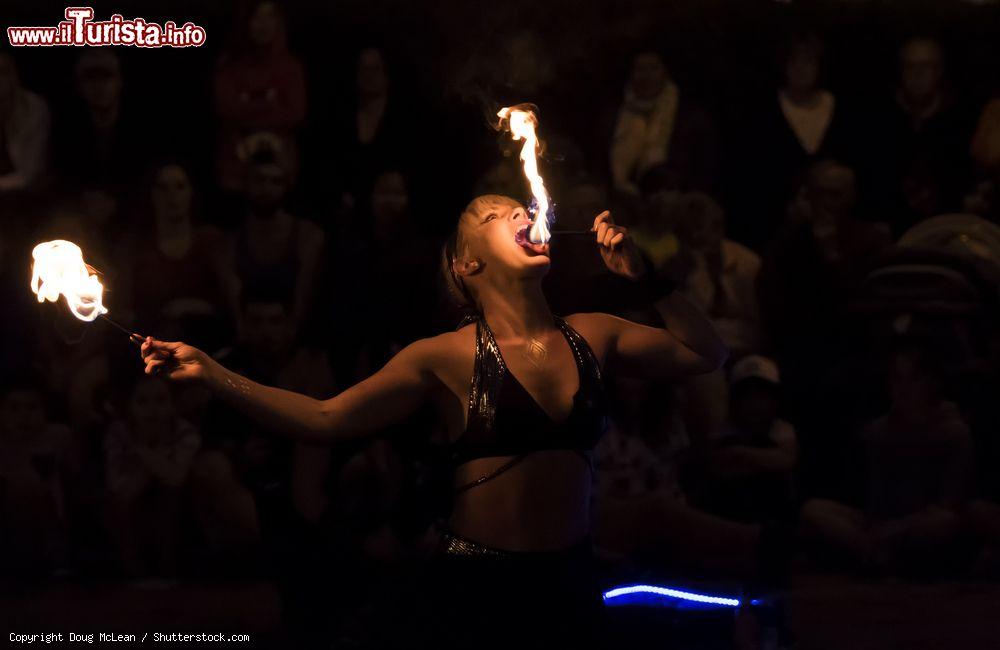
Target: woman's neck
{"type": "Point", "coordinates": [804, 98]}
{"type": "Point", "coordinates": [517, 309]}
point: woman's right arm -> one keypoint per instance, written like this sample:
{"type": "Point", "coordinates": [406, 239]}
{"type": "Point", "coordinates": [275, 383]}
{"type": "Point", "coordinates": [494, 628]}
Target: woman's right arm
{"type": "Point", "coordinates": [388, 396]}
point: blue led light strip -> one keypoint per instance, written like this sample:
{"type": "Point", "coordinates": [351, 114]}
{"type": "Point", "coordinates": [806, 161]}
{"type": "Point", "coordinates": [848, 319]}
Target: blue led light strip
{"type": "Point", "coordinates": [666, 592]}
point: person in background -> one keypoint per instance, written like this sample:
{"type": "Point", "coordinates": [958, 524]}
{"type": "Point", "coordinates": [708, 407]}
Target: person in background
{"type": "Point", "coordinates": [802, 123]}
{"type": "Point", "coordinates": [174, 265]}
{"type": "Point", "coordinates": [403, 258]}
{"type": "Point", "coordinates": [654, 125]}
{"type": "Point", "coordinates": [813, 265]}
{"type": "Point", "coordinates": [148, 455]}
{"type": "Point", "coordinates": [259, 86]}
{"type": "Point", "coordinates": [919, 163]}
{"type": "Point", "coordinates": [918, 458]}
{"type": "Point", "coordinates": [238, 458]}
{"type": "Point", "coordinates": [716, 273]}
{"type": "Point", "coordinates": [33, 454]}
{"type": "Point", "coordinates": [24, 131]}
{"type": "Point", "coordinates": [100, 141]}
{"type": "Point", "coordinates": [756, 453]}
{"type": "Point", "coordinates": [273, 251]}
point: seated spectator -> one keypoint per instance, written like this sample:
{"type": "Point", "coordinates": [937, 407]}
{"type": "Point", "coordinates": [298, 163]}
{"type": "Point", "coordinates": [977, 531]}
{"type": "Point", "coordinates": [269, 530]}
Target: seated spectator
{"type": "Point", "coordinates": [656, 124]}
{"type": "Point", "coordinates": [402, 257]}
{"type": "Point", "coordinates": [241, 458]}
{"type": "Point", "coordinates": [148, 454]}
{"type": "Point", "coordinates": [273, 251]}
{"type": "Point", "coordinates": [755, 454]}
{"type": "Point", "coordinates": [918, 462]}
{"type": "Point", "coordinates": [814, 263]}
{"type": "Point", "coordinates": [173, 260]}
{"type": "Point", "coordinates": [919, 164]}
{"type": "Point", "coordinates": [718, 274]}
{"type": "Point", "coordinates": [259, 86]}
{"type": "Point", "coordinates": [33, 453]}
{"type": "Point", "coordinates": [802, 123]}
{"type": "Point", "coordinates": [24, 131]}
{"type": "Point", "coordinates": [360, 131]}
{"type": "Point", "coordinates": [100, 140]}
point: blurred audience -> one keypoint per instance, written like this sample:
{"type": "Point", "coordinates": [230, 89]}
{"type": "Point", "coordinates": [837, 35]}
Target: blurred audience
{"type": "Point", "coordinates": [148, 455]}
{"type": "Point", "coordinates": [273, 251]}
{"type": "Point", "coordinates": [755, 455]}
{"type": "Point", "coordinates": [655, 124]}
{"type": "Point", "coordinates": [718, 274]}
{"type": "Point", "coordinates": [24, 129]}
{"type": "Point", "coordinates": [99, 137]}
{"type": "Point", "coordinates": [259, 87]}
{"type": "Point", "coordinates": [918, 461]}
{"type": "Point", "coordinates": [34, 453]}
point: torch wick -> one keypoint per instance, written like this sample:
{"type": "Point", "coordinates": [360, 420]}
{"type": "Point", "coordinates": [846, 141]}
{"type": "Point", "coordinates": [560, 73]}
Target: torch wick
{"type": "Point", "coordinates": [135, 338]}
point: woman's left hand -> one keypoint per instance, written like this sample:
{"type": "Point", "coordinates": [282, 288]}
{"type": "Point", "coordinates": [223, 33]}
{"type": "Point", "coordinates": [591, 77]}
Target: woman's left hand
{"type": "Point", "coordinates": [620, 253]}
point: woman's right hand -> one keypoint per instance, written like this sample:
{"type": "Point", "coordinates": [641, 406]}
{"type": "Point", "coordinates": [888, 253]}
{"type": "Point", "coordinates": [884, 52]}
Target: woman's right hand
{"type": "Point", "coordinates": [175, 360]}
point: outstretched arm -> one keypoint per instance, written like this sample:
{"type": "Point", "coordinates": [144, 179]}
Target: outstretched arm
{"type": "Point", "coordinates": [386, 397]}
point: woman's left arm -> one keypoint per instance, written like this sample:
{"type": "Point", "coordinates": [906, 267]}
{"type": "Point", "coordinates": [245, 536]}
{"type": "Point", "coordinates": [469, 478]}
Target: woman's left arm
{"type": "Point", "coordinates": [688, 345]}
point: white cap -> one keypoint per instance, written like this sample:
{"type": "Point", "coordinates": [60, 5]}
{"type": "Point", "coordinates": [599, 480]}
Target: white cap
{"type": "Point", "coordinates": [756, 366]}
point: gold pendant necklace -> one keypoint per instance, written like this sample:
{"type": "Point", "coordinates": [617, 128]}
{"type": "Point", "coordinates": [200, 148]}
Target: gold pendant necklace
{"type": "Point", "coordinates": [535, 353]}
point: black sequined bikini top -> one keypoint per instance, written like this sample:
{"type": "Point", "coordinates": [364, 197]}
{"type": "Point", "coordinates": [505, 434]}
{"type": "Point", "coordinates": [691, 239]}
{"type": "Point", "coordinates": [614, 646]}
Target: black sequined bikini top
{"type": "Point", "coordinates": [505, 420]}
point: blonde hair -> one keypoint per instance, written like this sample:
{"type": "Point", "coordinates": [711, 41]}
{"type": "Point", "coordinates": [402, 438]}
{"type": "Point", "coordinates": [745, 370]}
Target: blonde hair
{"type": "Point", "coordinates": [458, 291]}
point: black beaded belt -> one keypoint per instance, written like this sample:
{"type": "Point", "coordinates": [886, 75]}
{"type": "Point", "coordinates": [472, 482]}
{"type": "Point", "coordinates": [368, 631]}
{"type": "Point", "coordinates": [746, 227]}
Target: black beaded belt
{"type": "Point", "coordinates": [454, 545]}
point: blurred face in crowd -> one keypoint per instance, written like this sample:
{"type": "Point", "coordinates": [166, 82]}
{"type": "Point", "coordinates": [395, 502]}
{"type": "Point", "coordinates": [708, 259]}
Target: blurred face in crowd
{"type": "Point", "coordinates": [756, 405]}
{"type": "Point", "coordinates": [264, 25]}
{"type": "Point", "coordinates": [100, 81]}
{"type": "Point", "coordinates": [22, 413]}
{"type": "Point", "coordinates": [151, 409]}
{"type": "Point", "coordinates": [171, 194]}
{"type": "Point", "coordinates": [921, 70]}
{"type": "Point", "coordinates": [802, 69]}
{"type": "Point", "coordinates": [372, 76]}
{"type": "Point", "coordinates": [910, 385]}
{"type": "Point", "coordinates": [266, 329]}
{"type": "Point", "coordinates": [648, 76]}
{"type": "Point", "coordinates": [390, 203]}
{"type": "Point", "coordinates": [267, 184]}
{"type": "Point", "coordinates": [832, 191]}
{"type": "Point", "coordinates": [701, 225]}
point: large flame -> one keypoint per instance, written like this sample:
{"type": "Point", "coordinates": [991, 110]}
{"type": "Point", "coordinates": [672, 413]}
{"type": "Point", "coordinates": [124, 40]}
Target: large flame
{"type": "Point", "coordinates": [59, 269]}
{"type": "Point", "coordinates": [521, 122]}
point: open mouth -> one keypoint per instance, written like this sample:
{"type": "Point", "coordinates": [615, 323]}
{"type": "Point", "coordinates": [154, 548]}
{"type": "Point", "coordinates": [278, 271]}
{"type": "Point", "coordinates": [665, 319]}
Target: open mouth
{"type": "Point", "coordinates": [522, 239]}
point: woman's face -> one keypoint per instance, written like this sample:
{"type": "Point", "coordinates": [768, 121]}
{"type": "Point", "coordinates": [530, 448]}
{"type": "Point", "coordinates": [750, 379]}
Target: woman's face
{"type": "Point", "coordinates": [372, 78]}
{"type": "Point", "coordinates": [802, 71]}
{"type": "Point", "coordinates": [648, 76]}
{"type": "Point", "coordinates": [172, 194]}
{"type": "Point", "coordinates": [489, 232]}
{"type": "Point", "coordinates": [264, 25]}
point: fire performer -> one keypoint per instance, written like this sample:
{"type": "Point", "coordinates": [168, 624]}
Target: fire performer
{"type": "Point", "coordinates": [521, 393]}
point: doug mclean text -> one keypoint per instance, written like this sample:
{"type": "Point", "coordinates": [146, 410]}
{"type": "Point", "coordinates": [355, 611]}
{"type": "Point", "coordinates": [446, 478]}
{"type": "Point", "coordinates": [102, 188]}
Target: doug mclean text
{"type": "Point", "coordinates": [58, 637]}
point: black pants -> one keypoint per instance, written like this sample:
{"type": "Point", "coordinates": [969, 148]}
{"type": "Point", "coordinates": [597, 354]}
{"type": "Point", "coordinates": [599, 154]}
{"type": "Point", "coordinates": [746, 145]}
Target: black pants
{"type": "Point", "coordinates": [514, 600]}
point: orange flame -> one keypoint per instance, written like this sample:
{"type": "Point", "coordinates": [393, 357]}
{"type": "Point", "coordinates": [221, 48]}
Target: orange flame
{"type": "Point", "coordinates": [522, 122]}
{"type": "Point", "coordinates": [59, 269]}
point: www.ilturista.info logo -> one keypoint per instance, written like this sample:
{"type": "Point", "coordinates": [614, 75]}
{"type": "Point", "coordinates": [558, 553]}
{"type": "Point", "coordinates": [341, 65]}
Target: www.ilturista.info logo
{"type": "Point", "coordinates": [81, 29]}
